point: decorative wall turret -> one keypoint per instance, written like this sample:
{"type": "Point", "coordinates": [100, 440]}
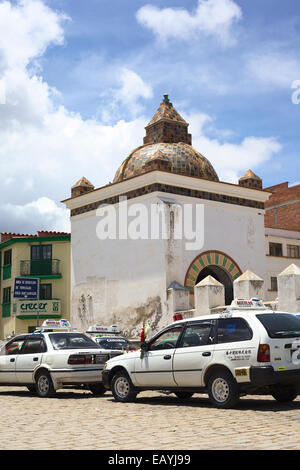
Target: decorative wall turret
{"type": "Point", "coordinates": [250, 180]}
{"type": "Point", "coordinates": [81, 187]}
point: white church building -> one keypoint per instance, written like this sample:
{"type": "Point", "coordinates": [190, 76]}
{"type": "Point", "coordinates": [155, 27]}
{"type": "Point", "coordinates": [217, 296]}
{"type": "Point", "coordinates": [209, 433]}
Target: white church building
{"type": "Point", "coordinates": [165, 222]}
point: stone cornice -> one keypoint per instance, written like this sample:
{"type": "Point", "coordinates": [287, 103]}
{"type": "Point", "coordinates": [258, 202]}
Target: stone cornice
{"type": "Point", "coordinates": [171, 179]}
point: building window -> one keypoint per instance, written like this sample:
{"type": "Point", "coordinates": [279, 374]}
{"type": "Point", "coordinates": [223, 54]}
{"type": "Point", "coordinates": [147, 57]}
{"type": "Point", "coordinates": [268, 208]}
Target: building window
{"type": "Point", "coordinates": [293, 251]}
{"type": "Point", "coordinates": [46, 292]}
{"type": "Point", "coordinates": [6, 264]}
{"type": "Point", "coordinates": [274, 285]}
{"type": "Point", "coordinates": [7, 258]}
{"type": "Point", "coordinates": [41, 252]}
{"type": "Point", "coordinates": [275, 249]}
{"type": "Point", "coordinates": [6, 302]}
{"type": "Point", "coordinates": [6, 295]}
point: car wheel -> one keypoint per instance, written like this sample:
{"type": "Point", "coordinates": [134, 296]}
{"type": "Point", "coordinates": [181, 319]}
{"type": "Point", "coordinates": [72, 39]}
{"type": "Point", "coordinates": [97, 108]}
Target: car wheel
{"type": "Point", "coordinates": [284, 393]}
{"type": "Point", "coordinates": [97, 389]}
{"type": "Point", "coordinates": [223, 390]}
{"type": "Point", "coordinates": [43, 385]}
{"type": "Point", "coordinates": [184, 395]}
{"type": "Point", "coordinates": [122, 388]}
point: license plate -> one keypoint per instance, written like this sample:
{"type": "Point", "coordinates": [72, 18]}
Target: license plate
{"type": "Point", "coordinates": [101, 358]}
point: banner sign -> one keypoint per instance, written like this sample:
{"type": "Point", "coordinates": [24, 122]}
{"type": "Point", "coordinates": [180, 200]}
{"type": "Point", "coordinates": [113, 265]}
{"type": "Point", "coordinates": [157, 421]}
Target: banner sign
{"type": "Point", "coordinates": [26, 288]}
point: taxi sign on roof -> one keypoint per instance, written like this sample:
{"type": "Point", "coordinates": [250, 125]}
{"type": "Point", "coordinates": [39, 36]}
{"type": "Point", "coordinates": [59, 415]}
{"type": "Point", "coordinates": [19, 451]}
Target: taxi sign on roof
{"type": "Point", "coordinates": [248, 304]}
{"type": "Point", "coordinates": [55, 325]}
{"type": "Point", "coordinates": [103, 329]}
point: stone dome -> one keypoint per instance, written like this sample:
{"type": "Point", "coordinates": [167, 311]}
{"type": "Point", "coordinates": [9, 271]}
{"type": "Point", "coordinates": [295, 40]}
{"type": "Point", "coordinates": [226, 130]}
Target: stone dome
{"type": "Point", "coordinates": [183, 160]}
{"type": "Point", "coordinates": [167, 147]}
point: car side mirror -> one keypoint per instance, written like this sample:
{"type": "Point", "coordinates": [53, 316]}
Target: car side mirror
{"type": "Point", "coordinates": [144, 346]}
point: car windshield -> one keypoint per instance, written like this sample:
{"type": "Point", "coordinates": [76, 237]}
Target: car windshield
{"type": "Point", "coordinates": [280, 325]}
{"type": "Point", "coordinates": [72, 341]}
{"type": "Point", "coordinates": [113, 343]}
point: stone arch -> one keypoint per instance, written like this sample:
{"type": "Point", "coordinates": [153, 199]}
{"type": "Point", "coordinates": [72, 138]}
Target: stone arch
{"type": "Point", "coordinates": [212, 262]}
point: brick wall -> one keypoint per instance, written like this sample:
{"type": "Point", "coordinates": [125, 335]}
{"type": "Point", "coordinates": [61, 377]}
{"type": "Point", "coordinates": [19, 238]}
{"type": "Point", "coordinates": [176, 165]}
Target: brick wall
{"type": "Point", "coordinates": [283, 207]}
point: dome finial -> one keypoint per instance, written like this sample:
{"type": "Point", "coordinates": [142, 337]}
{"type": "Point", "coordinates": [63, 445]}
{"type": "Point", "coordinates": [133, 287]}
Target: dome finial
{"type": "Point", "coordinates": [166, 98]}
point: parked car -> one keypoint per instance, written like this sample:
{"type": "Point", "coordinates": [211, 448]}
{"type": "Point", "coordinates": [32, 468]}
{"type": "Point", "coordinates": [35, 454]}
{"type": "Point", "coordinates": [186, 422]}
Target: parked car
{"type": "Point", "coordinates": [114, 345]}
{"type": "Point", "coordinates": [53, 357]}
{"type": "Point", "coordinates": [246, 349]}
{"type": "Point", "coordinates": [110, 340]}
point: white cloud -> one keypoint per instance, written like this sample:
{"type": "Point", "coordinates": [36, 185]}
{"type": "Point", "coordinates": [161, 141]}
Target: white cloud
{"type": "Point", "coordinates": [130, 88]}
{"type": "Point", "coordinates": [27, 29]}
{"type": "Point", "coordinates": [210, 18]}
{"type": "Point", "coordinates": [273, 69]}
{"type": "Point", "coordinates": [45, 147]}
{"type": "Point", "coordinates": [42, 214]}
{"type": "Point", "coordinates": [231, 160]}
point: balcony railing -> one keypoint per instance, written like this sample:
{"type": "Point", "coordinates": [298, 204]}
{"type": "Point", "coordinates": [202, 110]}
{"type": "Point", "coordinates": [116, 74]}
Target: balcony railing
{"type": "Point", "coordinates": [40, 267]}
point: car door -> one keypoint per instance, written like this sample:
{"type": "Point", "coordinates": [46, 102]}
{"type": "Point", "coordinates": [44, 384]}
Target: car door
{"type": "Point", "coordinates": [155, 369]}
{"type": "Point", "coordinates": [8, 357]}
{"type": "Point", "coordinates": [29, 358]}
{"type": "Point", "coordinates": [193, 353]}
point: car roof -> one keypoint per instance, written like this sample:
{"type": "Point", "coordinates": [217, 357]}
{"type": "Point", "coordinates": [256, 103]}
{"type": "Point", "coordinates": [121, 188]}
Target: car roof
{"type": "Point", "coordinates": [230, 314]}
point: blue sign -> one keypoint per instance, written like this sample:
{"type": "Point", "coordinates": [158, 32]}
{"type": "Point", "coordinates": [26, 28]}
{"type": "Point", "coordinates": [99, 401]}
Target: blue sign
{"type": "Point", "coordinates": [26, 288]}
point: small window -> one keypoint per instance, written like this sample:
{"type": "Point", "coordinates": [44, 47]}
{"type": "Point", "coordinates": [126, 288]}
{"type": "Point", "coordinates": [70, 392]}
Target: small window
{"type": "Point", "coordinates": [34, 346]}
{"type": "Point", "coordinates": [274, 285]}
{"type": "Point", "coordinates": [7, 257]}
{"type": "Point", "coordinates": [6, 295]}
{"type": "Point", "coordinates": [293, 251]}
{"type": "Point", "coordinates": [41, 252]}
{"type": "Point", "coordinates": [46, 251]}
{"type": "Point", "coordinates": [275, 249]}
{"type": "Point", "coordinates": [46, 292]}
{"type": "Point", "coordinates": [198, 334]}
{"type": "Point", "coordinates": [166, 340]}
{"type": "Point", "coordinates": [14, 347]}
{"type": "Point", "coordinates": [233, 329]}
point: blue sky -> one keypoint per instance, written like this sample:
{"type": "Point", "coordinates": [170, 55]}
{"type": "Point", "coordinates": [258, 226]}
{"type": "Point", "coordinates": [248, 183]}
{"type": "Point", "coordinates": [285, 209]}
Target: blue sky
{"type": "Point", "coordinates": [82, 79]}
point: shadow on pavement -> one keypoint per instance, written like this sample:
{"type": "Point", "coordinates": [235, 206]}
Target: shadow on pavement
{"type": "Point", "coordinates": [263, 403]}
{"type": "Point", "coordinates": [77, 394]}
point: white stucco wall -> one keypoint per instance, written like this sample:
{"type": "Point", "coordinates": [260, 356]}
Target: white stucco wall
{"type": "Point", "coordinates": [124, 281]}
{"type": "Point", "coordinates": [276, 264]}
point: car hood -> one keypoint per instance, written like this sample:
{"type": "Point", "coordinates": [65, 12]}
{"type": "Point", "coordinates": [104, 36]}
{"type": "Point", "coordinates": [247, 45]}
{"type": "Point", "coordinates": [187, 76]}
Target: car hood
{"type": "Point", "coordinates": [124, 356]}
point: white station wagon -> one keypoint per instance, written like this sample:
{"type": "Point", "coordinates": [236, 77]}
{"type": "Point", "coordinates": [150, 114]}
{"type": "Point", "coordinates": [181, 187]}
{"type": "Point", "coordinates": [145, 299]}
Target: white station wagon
{"type": "Point", "coordinates": [246, 349]}
{"type": "Point", "coordinates": [51, 358]}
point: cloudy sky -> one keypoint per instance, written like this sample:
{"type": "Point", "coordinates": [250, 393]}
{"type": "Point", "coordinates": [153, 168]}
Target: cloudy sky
{"type": "Point", "coordinates": [80, 80]}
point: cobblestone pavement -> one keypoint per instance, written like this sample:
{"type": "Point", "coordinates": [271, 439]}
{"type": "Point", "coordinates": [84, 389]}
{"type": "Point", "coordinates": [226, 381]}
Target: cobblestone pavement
{"type": "Point", "coordinates": [75, 419]}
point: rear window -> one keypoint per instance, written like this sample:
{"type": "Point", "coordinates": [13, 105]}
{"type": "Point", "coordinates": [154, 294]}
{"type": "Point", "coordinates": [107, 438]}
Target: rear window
{"type": "Point", "coordinates": [280, 325]}
{"type": "Point", "coordinates": [117, 344]}
{"type": "Point", "coordinates": [72, 341]}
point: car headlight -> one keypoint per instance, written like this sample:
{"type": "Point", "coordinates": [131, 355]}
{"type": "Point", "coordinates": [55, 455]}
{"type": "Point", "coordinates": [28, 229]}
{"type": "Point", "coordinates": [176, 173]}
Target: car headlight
{"type": "Point", "coordinates": [105, 366]}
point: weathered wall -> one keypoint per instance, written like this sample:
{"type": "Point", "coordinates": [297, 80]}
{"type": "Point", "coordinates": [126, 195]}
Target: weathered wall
{"type": "Point", "coordinates": [124, 281]}
{"type": "Point", "coordinates": [116, 281]}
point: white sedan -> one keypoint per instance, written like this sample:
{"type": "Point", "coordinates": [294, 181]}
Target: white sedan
{"type": "Point", "coordinates": [48, 361]}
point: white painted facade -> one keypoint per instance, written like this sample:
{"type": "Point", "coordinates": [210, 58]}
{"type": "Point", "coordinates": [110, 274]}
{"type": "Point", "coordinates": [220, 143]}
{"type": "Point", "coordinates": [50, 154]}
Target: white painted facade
{"type": "Point", "coordinates": [276, 264]}
{"type": "Point", "coordinates": [125, 281]}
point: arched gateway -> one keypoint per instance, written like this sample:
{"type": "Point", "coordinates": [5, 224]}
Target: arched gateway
{"type": "Point", "coordinates": [217, 264]}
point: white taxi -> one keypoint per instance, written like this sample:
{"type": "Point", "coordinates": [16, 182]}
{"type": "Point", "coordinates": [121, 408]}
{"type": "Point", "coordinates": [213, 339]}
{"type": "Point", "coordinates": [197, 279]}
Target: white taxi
{"type": "Point", "coordinates": [110, 340]}
{"type": "Point", "coordinates": [54, 356]}
{"type": "Point", "coordinates": [246, 349]}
